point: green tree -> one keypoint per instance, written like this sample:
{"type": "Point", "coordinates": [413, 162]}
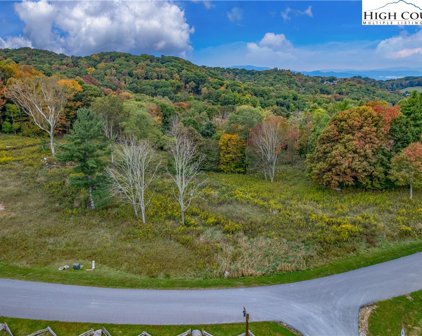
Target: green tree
{"type": "Point", "coordinates": [411, 108]}
{"type": "Point", "coordinates": [311, 124]}
{"type": "Point", "coordinates": [12, 119]}
{"type": "Point", "coordinates": [110, 110]}
{"type": "Point", "coordinates": [401, 133]}
{"type": "Point", "coordinates": [140, 123]}
{"type": "Point", "coordinates": [87, 148]}
{"type": "Point", "coordinates": [243, 120]}
{"type": "Point", "coordinates": [406, 167]}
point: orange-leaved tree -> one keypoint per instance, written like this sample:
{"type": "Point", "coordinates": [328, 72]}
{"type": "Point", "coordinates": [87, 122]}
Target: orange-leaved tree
{"type": "Point", "coordinates": [348, 151]}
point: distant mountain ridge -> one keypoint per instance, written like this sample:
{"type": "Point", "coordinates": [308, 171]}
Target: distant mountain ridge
{"type": "Point", "coordinates": [382, 74]}
{"type": "Point", "coordinates": [249, 67]}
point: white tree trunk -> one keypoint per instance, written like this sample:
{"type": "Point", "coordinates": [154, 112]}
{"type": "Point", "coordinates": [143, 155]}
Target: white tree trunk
{"type": "Point", "coordinates": [187, 163]}
{"type": "Point", "coordinates": [42, 99]}
{"type": "Point", "coordinates": [267, 140]}
{"type": "Point", "coordinates": [132, 173]}
{"type": "Point", "coordinates": [52, 147]}
{"type": "Point", "coordinates": [411, 191]}
{"type": "Point", "coordinates": [91, 203]}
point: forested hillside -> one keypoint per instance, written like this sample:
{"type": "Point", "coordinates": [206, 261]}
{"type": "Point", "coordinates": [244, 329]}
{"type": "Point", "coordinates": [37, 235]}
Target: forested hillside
{"type": "Point", "coordinates": [179, 80]}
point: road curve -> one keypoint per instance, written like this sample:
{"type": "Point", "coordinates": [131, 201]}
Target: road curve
{"type": "Point", "coordinates": [321, 307]}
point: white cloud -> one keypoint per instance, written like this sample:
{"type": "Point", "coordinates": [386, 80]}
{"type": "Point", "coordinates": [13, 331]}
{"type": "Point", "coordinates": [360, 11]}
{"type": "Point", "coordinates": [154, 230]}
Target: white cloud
{"type": "Point", "coordinates": [14, 42]}
{"type": "Point", "coordinates": [308, 12]}
{"type": "Point", "coordinates": [286, 14]}
{"type": "Point", "coordinates": [38, 18]}
{"type": "Point", "coordinates": [271, 46]}
{"type": "Point", "coordinates": [235, 14]}
{"type": "Point", "coordinates": [275, 50]}
{"type": "Point", "coordinates": [207, 3]}
{"type": "Point", "coordinates": [275, 42]}
{"type": "Point", "coordinates": [289, 12]}
{"type": "Point", "coordinates": [405, 46]}
{"type": "Point", "coordinates": [87, 27]}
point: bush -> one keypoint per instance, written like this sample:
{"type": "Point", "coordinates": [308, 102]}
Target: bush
{"type": "Point", "coordinates": [7, 127]}
{"type": "Point", "coordinates": [31, 130]}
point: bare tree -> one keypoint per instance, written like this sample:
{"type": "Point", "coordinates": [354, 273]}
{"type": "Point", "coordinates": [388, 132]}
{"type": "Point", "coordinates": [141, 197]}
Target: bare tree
{"type": "Point", "coordinates": [267, 139]}
{"type": "Point", "coordinates": [187, 163]}
{"type": "Point", "coordinates": [41, 98]}
{"type": "Point", "coordinates": [133, 172]}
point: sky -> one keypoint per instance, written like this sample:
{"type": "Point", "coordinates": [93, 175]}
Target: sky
{"type": "Point", "coordinates": [296, 35]}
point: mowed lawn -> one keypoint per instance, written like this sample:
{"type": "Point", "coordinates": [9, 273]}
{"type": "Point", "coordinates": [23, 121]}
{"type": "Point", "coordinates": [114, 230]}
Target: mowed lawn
{"type": "Point", "coordinates": [390, 316]}
{"type": "Point", "coordinates": [21, 327]}
{"type": "Point", "coordinates": [251, 230]}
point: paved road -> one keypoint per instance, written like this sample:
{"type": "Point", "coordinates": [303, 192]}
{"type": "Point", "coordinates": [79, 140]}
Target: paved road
{"type": "Point", "coordinates": [321, 307]}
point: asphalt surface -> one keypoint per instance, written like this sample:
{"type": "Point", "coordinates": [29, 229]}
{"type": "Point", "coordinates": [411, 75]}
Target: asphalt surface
{"type": "Point", "coordinates": [321, 307]}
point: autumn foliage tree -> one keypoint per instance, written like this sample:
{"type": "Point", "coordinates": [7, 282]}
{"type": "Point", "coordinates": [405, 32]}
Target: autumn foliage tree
{"type": "Point", "coordinates": [10, 69]}
{"type": "Point", "coordinates": [267, 140]}
{"type": "Point", "coordinates": [232, 154]}
{"type": "Point", "coordinates": [386, 111]}
{"type": "Point", "coordinates": [72, 88]}
{"type": "Point", "coordinates": [348, 151]}
{"type": "Point", "coordinates": [406, 167]}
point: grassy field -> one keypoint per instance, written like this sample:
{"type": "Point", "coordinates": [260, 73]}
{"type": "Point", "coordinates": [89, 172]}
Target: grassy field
{"type": "Point", "coordinates": [255, 231]}
{"type": "Point", "coordinates": [413, 88]}
{"type": "Point", "coordinates": [389, 316]}
{"type": "Point", "coordinates": [21, 327]}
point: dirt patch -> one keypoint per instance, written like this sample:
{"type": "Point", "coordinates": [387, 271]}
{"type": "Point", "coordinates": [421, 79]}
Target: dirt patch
{"type": "Point", "coordinates": [2, 208]}
{"type": "Point", "coordinates": [364, 314]}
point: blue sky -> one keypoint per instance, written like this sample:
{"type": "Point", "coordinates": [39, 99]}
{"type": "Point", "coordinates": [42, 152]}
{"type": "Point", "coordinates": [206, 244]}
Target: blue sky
{"type": "Point", "coordinates": [299, 35]}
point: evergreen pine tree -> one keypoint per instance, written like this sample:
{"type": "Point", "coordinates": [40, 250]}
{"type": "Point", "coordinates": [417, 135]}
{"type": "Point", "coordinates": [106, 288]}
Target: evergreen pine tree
{"type": "Point", "coordinates": [86, 147]}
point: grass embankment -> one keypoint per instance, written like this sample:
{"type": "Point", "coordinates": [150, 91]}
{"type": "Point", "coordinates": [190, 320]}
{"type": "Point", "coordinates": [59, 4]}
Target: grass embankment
{"type": "Point", "coordinates": [22, 327]}
{"type": "Point", "coordinates": [390, 315]}
{"type": "Point", "coordinates": [261, 233]}
{"type": "Point", "coordinates": [104, 277]}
